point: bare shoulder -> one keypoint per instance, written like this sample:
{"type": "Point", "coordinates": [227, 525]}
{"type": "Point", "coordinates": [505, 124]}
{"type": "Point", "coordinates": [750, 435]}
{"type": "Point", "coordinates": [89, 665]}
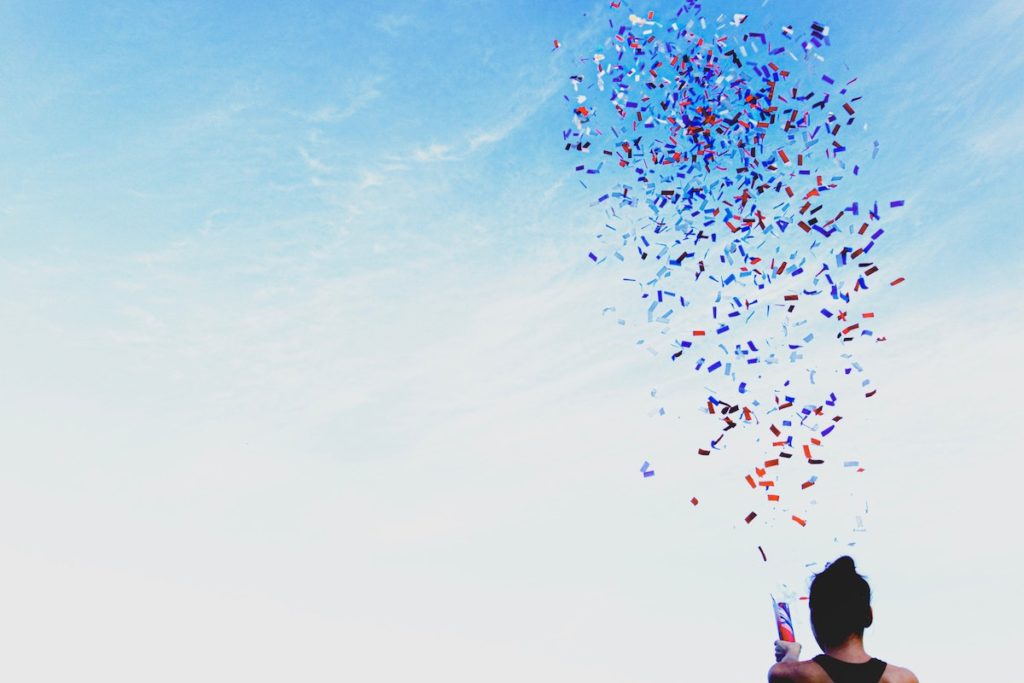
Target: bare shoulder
{"type": "Point", "coordinates": [897, 674]}
{"type": "Point", "coordinates": [798, 672]}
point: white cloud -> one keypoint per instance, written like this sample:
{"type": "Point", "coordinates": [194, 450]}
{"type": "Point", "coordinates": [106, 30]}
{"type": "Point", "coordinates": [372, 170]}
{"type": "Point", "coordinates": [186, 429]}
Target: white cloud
{"type": "Point", "coordinates": [999, 16]}
{"type": "Point", "coordinates": [216, 116]}
{"type": "Point", "coordinates": [431, 153]}
{"type": "Point", "coordinates": [313, 163]}
{"type": "Point", "coordinates": [503, 129]}
{"type": "Point", "coordinates": [331, 113]}
{"type": "Point", "coordinates": [370, 179]}
{"type": "Point", "coordinates": [536, 98]}
{"type": "Point", "coordinates": [1004, 139]}
{"type": "Point", "coordinates": [392, 22]}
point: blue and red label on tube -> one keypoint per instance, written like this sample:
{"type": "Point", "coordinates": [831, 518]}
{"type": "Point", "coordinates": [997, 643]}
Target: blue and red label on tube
{"type": "Point", "coordinates": [784, 621]}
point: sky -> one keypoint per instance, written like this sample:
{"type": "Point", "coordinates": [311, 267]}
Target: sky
{"type": "Point", "coordinates": [306, 376]}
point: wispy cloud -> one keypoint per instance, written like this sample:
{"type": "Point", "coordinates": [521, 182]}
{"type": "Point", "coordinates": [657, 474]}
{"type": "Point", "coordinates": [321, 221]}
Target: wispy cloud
{"type": "Point", "coordinates": [314, 164]}
{"type": "Point", "coordinates": [479, 139]}
{"type": "Point", "coordinates": [217, 115]}
{"type": "Point", "coordinates": [432, 152]}
{"type": "Point", "coordinates": [332, 113]}
{"type": "Point", "coordinates": [507, 126]}
{"type": "Point", "coordinates": [998, 17]}
{"type": "Point", "coordinates": [370, 179]}
{"type": "Point", "coordinates": [1005, 139]}
{"type": "Point", "coordinates": [532, 99]}
{"type": "Point", "coordinates": [392, 22]}
{"type": "Point", "coordinates": [536, 97]}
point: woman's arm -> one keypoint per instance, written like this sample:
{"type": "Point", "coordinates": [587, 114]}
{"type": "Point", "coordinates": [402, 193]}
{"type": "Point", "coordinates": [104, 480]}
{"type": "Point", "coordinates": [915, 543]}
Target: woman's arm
{"type": "Point", "coordinates": [787, 668]}
{"type": "Point", "coordinates": [784, 672]}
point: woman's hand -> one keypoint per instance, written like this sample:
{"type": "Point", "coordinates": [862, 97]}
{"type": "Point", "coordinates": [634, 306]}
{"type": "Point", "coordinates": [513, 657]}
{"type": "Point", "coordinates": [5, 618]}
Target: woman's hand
{"type": "Point", "coordinates": [786, 651]}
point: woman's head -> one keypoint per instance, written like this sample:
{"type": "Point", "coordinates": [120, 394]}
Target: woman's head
{"type": "Point", "coordinates": [840, 603]}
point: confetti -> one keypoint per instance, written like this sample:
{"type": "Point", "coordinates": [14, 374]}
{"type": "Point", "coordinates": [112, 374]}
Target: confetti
{"type": "Point", "coordinates": [730, 195]}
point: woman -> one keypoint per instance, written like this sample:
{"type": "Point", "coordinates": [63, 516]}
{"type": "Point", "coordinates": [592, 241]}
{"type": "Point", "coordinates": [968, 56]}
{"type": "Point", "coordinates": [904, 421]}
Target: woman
{"type": "Point", "coordinates": [840, 611]}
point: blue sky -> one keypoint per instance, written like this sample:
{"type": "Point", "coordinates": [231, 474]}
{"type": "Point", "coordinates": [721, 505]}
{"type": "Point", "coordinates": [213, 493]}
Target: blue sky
{"type": "Point", "coordinates": [306, 374]}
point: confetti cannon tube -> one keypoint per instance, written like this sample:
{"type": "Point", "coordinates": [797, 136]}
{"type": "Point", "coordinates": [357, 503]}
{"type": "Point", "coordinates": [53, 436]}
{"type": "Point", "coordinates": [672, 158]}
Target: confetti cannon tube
{"type": "Point", "coordinates": [784, 621]}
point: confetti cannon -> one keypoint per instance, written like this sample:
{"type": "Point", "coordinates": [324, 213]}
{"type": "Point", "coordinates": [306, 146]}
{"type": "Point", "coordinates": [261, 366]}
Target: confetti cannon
{"type": "Point", "coordinates": [784, 621]}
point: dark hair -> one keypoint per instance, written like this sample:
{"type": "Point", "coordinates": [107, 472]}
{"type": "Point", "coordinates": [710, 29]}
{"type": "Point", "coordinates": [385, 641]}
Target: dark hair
{"type": "Point", "coordinates": [840, 603]}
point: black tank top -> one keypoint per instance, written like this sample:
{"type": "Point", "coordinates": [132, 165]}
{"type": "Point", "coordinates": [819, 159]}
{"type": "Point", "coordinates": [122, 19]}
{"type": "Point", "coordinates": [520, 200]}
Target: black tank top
{"type": "Point", "coordinates": [845, 672]}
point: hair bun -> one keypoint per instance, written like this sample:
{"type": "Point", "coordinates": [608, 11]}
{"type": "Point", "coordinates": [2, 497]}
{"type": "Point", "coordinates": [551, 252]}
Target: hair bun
{"type": "Point", "coordinates": [843, 565]}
